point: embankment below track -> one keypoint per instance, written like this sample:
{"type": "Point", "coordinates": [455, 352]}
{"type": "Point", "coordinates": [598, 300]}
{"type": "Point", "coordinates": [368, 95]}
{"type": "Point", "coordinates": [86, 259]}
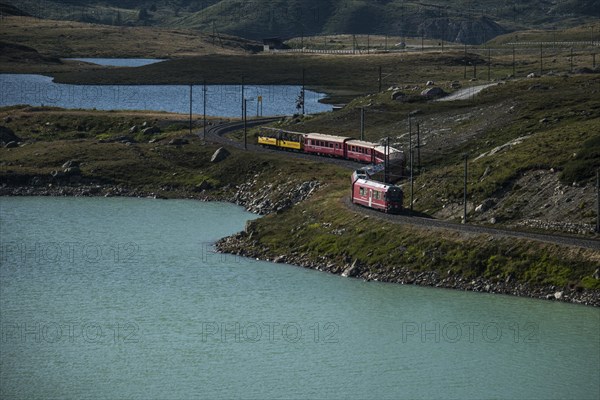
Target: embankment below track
{"type": "Point", "coordinates": [276, 200]}
{"type": "Point", "coordinates": [245, 244]}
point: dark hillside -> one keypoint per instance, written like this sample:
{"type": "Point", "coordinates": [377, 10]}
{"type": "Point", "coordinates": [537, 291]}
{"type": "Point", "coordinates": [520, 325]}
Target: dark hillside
{"type": "Point", "coordinates": [464, 21]}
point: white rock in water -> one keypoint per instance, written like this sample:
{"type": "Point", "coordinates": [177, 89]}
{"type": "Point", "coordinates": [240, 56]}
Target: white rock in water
{"type": "Point", "coordinates": [558, 295]}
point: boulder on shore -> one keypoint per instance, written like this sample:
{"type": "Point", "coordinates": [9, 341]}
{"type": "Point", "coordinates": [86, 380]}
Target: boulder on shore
{"type": "Point", "coordinates": [7, 135]}
{"type": "Point", "coordinates": [178, 142]}
{"type": "Point", "coordinates": [151, 130]}
{"type": "Point", "coordinates": [433, 92]}
{"type": "Point", "coordinates": [352, 270]}
{"type": "Point", "coordinates": [71, 164]}
{"type": "Point", "coordinates": [397, 95]}
{"type": "Point", "coordinates": [219, 155]}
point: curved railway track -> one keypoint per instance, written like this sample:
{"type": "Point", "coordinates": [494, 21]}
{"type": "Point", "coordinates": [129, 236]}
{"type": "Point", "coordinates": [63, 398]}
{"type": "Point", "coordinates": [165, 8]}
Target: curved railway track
{"type": "Point", "coordinates": [215, 133]}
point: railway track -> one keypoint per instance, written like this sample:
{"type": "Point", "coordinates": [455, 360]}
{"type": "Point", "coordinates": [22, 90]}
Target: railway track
{"type": "Point", "coordinates": [215, 134]}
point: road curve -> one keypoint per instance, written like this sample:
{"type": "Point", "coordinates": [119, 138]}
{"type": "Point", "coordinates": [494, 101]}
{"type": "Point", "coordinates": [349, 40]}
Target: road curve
{"type": "Point", "coordinates": [215, 133]}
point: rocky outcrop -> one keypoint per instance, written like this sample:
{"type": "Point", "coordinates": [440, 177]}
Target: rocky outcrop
{"type": "Point", "coordinates": [153, 130]}
{"type": "Point", "coordinates": [270, 198]}
{"type": "Point", "coordinates": [7, 136]}
{"type": "Point", "coordinates": [178, 142]}
{"type": "Point", "coordinates": [462, 30]}
{"type": "Point", "coordinates": [397, 95]}
{"type": "Point", "coordinates": [219, 155]}
{"type": "Point", "coordinates": [433, 92]}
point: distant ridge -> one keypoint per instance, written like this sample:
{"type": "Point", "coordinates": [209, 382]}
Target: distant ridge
{"type": "Point", "coordinates": [463, 21]}
{"type": "Point", "coordinates": [10, 10]}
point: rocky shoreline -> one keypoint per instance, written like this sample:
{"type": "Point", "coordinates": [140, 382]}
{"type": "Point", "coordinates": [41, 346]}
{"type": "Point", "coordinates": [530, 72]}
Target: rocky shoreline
{"type": "Point", "coordinates": [255, 198]}
{"type": "Point", "coordinates": [264, 200]}
{"type": "Point", "coordinates": [244, 245]}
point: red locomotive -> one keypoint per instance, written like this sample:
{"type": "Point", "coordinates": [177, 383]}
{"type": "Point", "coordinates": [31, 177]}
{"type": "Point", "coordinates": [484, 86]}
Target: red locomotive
{"type": "Point", "coordinates": [373, 194]}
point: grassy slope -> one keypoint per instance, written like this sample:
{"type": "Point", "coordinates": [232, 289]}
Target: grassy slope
{"type": "Point", "coordinates": [54, 136]}
{"type": "Point", "coordinates": [75, 39]}
{"type": "Point", "coordinates": [324, 231]}
{"type": "Point", "coordinates": [559, 117]}
{"type": "Point", "coordinates": [340, 75]}
{"type": "Point", "coordinates": [584, 33]}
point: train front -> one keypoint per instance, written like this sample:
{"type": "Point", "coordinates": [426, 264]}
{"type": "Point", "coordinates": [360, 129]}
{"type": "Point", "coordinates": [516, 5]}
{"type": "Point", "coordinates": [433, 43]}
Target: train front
{"type": "Point", "coordinates": [394, 198]}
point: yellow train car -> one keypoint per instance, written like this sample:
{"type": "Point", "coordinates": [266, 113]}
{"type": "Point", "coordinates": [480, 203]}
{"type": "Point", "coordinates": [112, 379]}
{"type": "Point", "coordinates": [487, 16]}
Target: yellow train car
{"type": "Point", "coordinates": [278, 138]}
{"type": "Point", "coordinates": [290, 144]}
{"type": "Point", "coordinates": [267, 141]}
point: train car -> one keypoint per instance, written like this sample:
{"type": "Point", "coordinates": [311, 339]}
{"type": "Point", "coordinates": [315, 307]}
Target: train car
{"type": "Point", "coordinates": [361, 151]}
{"type": "Point", "coordinates": [278, 138]}
{"type": "Point", "coordinates": [325, 145]}
{"type": "Point", "coordinates": [395, 156]}
{"type": "Point", "coordinates": [267, 137]}
{"type": "Point", "coordinates": [395, 166]}
{"type": "Point", "coordinates": [376, 195]}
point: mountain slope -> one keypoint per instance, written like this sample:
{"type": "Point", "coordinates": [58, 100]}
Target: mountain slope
{"type": "Point", "coordinates": [465, 21]}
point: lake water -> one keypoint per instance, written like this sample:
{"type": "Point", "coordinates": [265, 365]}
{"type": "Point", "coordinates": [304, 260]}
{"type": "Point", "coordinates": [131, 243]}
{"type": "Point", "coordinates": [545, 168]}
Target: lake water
{"type": "Point", "coordinates": [221, 100]}
{"type": "Point", "coordinates": [119, 62]}
{"type": "Point", "coordinates": [123, 298]}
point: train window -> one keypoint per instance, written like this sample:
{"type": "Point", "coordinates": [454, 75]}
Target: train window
{"type": "Point", "coordinates": [362, 191]}
{"type": "Point", "coordinates": [331, 145]}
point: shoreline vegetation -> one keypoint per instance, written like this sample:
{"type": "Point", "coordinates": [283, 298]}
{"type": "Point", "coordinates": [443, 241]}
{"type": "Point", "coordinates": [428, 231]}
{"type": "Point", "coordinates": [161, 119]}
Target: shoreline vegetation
{"type": "Point", "coordinates": [532, 144]}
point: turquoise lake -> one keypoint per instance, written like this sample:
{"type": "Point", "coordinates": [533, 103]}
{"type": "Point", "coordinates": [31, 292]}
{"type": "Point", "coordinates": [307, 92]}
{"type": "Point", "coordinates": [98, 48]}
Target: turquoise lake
{"type": "Point", "coordinates": [125, 298]}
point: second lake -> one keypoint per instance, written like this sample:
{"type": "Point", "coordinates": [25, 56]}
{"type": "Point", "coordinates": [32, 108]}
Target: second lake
{"type": "Point", "coordinates": [221, 100]}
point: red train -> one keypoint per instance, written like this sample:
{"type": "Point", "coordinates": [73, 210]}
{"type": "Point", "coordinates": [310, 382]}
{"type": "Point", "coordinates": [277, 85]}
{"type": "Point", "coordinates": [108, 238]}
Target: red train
{"type": "Point", "coordinates": [373, 194]}
{"type": "Point", "coordinates": [332, 146]}
{"type": "Point", "coordinates": [350, 149]}
{"type": "Point", "coordinates": [367, 190]}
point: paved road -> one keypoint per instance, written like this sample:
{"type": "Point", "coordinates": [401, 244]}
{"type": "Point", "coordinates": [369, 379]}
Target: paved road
{"type": "Point", "coordinates": [216, 132]}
